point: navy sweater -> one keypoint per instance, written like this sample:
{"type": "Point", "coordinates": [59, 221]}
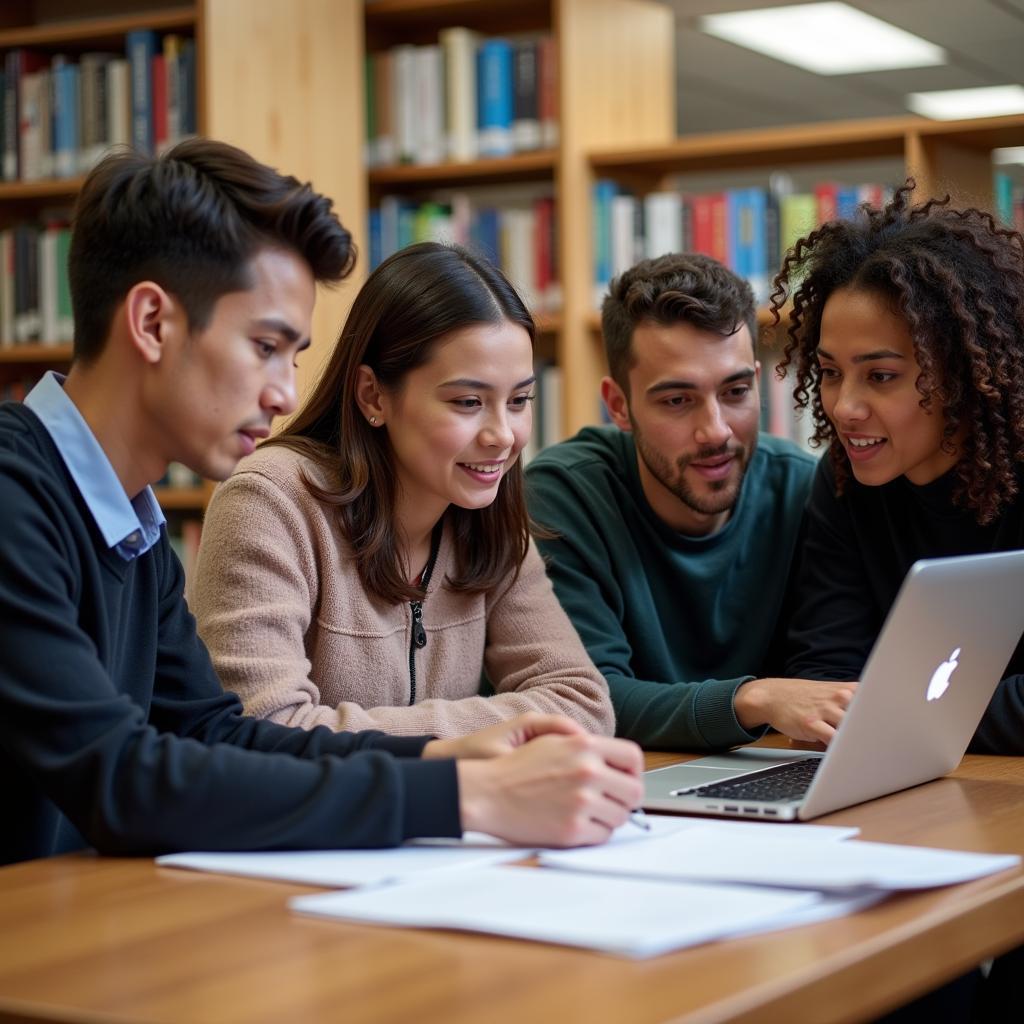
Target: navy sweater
{"type": "Point", "coordinates": [859, 547]}
{"type": "Point", "coordinates": [114, 730]}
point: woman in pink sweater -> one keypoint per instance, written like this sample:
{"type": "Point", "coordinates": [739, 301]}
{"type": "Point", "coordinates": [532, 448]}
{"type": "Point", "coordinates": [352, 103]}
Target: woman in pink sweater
{"type": "Point", "coordinates": [370, 565]}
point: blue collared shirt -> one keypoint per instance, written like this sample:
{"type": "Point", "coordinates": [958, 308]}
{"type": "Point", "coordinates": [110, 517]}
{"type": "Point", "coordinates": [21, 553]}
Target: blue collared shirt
{"type": "Point", "coordinates": [130, 527]}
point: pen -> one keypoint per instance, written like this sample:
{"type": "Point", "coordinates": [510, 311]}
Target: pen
{"type": "Point", "coordinates": [639, 819]}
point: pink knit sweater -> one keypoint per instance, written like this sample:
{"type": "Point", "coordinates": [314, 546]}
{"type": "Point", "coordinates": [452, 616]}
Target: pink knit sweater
{"type": "Point", "coordinates": [292, 631]}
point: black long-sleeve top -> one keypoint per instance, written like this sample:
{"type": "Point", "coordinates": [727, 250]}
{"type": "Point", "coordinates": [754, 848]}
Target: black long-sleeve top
{"type": "Point", "coordinates": [114, 730]}
{"type": "Point", "coordinates": [858, 548]}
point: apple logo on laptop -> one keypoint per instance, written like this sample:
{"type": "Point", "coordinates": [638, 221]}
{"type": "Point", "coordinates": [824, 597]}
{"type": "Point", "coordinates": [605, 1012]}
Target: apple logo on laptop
{"type": "Point", "coordinates": [940, 677]}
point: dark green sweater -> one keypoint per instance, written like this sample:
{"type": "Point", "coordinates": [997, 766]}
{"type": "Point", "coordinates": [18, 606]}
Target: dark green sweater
{"type": "Point", "coordinates": [676, 624]}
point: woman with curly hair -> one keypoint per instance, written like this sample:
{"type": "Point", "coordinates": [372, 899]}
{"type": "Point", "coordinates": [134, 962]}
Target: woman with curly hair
{"type": "Point", "coordinates": [906, 334]}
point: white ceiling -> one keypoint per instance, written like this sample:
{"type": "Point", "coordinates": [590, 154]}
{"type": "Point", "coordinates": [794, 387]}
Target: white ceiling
{"type": "Point", "coordinates": [724, 87]}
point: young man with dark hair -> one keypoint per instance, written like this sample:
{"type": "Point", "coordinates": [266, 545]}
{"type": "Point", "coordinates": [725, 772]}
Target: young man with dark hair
{"type": "Point", "coordinates": [193, 283]}
{"type": "Point", "coordinates": [671, 532]}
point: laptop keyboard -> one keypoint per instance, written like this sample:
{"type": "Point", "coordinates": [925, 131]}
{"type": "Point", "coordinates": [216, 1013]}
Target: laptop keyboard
{"type": "Point", "coordinates": [779, 783]}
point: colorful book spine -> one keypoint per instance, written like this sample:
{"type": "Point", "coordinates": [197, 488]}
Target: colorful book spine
{"type": "Point", "coordinates": [119, 108]}
{"type": "Point", "coordinates": [547, 90]}
{"type": "Point", "coordinates": [140, 47]}
{"type": "Point", "coordinates": [460, 46]}
{"type": "Point", "coordinates": [495, 111]}
{"type": "Point", "coordinates": [526, 132]}
{"type": "Point", "coordinates": [603, 194]}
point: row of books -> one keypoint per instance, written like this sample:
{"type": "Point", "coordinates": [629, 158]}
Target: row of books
{"type": "Point", "coordinates": [180, 476]}
{"type": "Point", "coordinates": [15, 389]}
{"type": "Point", "coordinates": [748, 229]}
{"type": "Point", "coordinates": [547, 409]}
{"type": "Point", "coordinates": [58, 116]}
{"type": "Point", "coordinates": [460, 99]}
{"type": "Point", "coordinates": [35, 299]}
{"type": "Point", "coordinates": [779, 415]}
{"type": "Point", "coordinates": [521, 240]}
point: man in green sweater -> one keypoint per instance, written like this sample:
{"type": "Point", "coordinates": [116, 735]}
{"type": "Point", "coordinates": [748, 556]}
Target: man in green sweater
{"type": "Point", "coordinates": [672, 530]}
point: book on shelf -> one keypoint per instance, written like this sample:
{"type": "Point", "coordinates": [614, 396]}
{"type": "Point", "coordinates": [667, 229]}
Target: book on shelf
{"type": "Point", "coordinates": [68, 141]}
{"type": "Point", "coordinates": [429, 108]}
{"type": "Point", "coordinates": [547, 90]}
{"type": "Point", "coordinates": [495, 97]}
{"type": "Point", "coordinates": [526, 131]}
{"type": "Point", "coordinates": [465, 97]}
{"type": "Point", "coordinates": [459, 46]}
{"type": "Point", "coordinates": [1009, 197]}
{"type": "Point", "coordinates": [141, 48]}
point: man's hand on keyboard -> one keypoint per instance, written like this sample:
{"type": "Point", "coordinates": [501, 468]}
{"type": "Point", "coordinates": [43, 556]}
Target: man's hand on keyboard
{"type": "Point", "coordinates": [803, 709]}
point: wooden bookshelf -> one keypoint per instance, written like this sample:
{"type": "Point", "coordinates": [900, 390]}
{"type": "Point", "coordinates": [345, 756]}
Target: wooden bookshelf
{"type": "Point", "coordinates": [941, 157]}
{"type": "Point", "coordinates": [616, 71]}
{"type": "Point", "coordinates": [939, 154]}
{"type": "Point", "coordinates": [281, 80]}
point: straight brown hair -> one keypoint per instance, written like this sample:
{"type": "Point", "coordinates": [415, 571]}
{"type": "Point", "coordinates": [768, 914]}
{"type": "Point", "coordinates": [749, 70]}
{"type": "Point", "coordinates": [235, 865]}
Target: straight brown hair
{"type": "Point", "coordinates": [413, 299]}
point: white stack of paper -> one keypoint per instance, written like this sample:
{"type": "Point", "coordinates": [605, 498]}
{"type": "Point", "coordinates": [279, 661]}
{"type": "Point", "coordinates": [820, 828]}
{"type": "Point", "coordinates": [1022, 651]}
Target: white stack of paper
{"type": "Point", "coordinates": [707, 854]}
{"type": "Point", "coordinates": [628, 917]}
{"type": "Point", "coordinates": [344, 868]}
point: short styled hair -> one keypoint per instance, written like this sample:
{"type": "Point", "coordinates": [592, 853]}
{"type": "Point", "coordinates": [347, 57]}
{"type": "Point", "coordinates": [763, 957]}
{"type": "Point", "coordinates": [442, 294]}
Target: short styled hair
{"type": "Point", "coordinates": [686, 288]}
{"type": "Point", "coordinates": [191, 220]}
{"type": "Point", "coordinates": [956, 278]}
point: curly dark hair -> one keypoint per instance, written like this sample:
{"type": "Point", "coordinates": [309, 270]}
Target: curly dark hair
{"type": "Point", "coordinates": [957, 279]}
{"type": "Point", "coordinates": [677, 288]}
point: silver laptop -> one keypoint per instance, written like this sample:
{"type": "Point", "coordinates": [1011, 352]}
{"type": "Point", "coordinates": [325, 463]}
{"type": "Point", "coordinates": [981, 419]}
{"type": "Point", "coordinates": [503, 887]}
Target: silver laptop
{"type": "Point", "coordinates": [941, 653]}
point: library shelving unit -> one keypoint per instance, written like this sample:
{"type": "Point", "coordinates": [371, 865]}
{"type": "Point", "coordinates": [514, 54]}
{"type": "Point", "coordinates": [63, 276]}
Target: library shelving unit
{"type": "Point", "coordinates": [616, 86]}
{"type": "Point", "coordinates": [281, 80]}
{"type": "Point", "coordinates": [952, 157]}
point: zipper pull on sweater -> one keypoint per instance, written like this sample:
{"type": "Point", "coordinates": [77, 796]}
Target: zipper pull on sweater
{"type": "Point", "coordinates": [419, 634]}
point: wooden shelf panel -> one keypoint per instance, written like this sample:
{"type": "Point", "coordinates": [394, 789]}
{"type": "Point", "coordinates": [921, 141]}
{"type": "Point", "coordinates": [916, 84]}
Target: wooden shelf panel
{"type": "Point", "coordinates": [35, 354]}
{"type": "Point", "coordinates": [798, 143]}
{"type": "Point", "coordinates": [520, 167]}
{"type": "Point", "coordinates": [181, 498]}
{"type": "Point", "coordinates": [49, 188]}
{"type": "Point", "coordinates": [832, 140]}
{"type": "Point", "coordinates": [95, 32]}
{"type": "Point", "coordinates": [389, 22]}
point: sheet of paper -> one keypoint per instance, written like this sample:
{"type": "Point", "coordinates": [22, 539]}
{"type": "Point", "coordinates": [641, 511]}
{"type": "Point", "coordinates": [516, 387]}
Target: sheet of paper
{"type": "Point", "coordinates": [339, 868]}
{"type": "Point", "coordinates": [707, 853]}
{"type": "Point", "coordinates": [344, 868]}
{"type": "Point", "coordinates": [628, 917]}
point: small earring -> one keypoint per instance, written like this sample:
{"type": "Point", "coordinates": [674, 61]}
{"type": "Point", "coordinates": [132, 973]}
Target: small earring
{"type": "Point", "coordinates": [373, 421]}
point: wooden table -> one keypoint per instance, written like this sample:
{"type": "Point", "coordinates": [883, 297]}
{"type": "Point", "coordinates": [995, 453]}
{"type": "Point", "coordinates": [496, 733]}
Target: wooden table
{"type": "Point", "coordinates": [87, 938]}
